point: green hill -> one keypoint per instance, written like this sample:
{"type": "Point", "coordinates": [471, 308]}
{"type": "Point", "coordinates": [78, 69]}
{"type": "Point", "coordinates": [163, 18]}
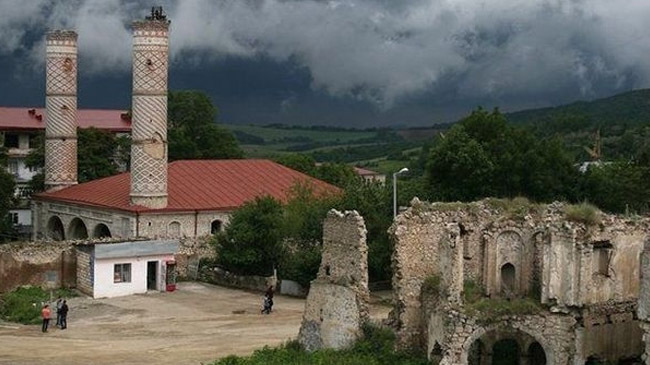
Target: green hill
{"type": "Point", "coordinates": [630, 108]}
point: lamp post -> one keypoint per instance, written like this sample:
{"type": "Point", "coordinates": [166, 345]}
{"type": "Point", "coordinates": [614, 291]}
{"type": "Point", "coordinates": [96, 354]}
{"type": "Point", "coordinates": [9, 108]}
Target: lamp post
{"type": "Point", "coordinates": [395, 189]}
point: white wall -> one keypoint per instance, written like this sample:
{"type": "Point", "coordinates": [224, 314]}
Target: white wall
{"type": "Point", "coordinates": [24, 216]}
{"type": "Point", "coordinates": [104, 287]}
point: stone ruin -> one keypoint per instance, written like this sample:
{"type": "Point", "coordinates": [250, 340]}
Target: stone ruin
{"type": "Point", "coordinates": [337, 303]}
{"type": "Point", "coordinates": [557, 285]}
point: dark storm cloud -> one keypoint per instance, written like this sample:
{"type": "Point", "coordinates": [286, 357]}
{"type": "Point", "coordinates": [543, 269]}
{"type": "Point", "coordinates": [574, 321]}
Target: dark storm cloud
{"type": "Point", "coordinates": [389, 56]}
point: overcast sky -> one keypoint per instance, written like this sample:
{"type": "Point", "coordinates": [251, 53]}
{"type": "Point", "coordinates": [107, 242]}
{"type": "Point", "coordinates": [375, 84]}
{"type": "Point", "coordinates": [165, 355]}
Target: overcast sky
{"type": "Point", "coordinates": [350, 63]}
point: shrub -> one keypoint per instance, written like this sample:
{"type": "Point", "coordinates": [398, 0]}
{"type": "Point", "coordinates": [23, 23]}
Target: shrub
{"type": "Point", "coordinates": [24, 304]}
{"type": "Point", "coordinates": [431, 285]}
{"type": "Point", "coordinates": [472, 292]}
{"type": "Point", "coordinates": [375, 348]}
{"type": "Point", "coordinates": [583, 213]}
{"type": "Point", "coordinates": [300, 264]}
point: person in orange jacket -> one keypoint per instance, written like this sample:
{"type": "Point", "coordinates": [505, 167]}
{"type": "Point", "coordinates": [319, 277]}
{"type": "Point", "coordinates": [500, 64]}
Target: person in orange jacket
{"type": "Point", "coordinates": [46, 313]}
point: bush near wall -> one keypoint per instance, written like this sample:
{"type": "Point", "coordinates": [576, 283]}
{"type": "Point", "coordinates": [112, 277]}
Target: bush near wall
{"type": "Point", "coordinates": [24, 304]}
{"type": "Point", "coordinates": [377, 347]}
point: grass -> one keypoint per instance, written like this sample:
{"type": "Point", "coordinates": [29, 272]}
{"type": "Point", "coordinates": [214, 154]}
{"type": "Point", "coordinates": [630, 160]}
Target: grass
{"type": "Point", "coordinates": [517, 208]}
{"type": "Point", "coordinates": [583, 213]}
{"type": "Point", "coordinates": [376, 348]}
{"type": "Point", "coordinates": [490, 310]}
{"type": "Point", "coordinates": [472, 292]}
{"type": "Point", "coordinates": [24, 304]}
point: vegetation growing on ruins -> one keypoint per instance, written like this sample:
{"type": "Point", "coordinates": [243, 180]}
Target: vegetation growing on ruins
{"type": "Point", "coordinates": [583, 213]}
{"type": "Point", "coordinates": [375, 348]}
{"type": "Point", "coordinates": [24, 304]}
{"type": "Point", "coordinates": [490, 310]}
{"type": "Point", "coordinates": [517, 208]}
{"type": "Point", "coordinates": [432, 285]}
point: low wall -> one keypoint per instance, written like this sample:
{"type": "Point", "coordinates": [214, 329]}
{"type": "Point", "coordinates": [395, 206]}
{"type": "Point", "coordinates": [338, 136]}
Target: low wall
{"type": "Point", "coordinates": [50, 265]}
{"type": "Point", "coordinates": [292, 288]}
{"type": "Point", "coordinates": [222, 277]}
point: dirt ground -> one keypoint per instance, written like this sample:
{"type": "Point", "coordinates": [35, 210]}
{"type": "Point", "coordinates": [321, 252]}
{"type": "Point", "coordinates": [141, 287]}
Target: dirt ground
{"type": "Point", "coordinates": [196, 324]}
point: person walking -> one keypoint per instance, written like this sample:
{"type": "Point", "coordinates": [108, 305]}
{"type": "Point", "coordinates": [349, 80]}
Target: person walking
{"type": "Point", "coordinates": [46, 313]}
{"type": "Point", "coordinates": [64, 315]}
{"type": "Point", "coordinates": [269, 295]}
{"type": "Point", "coordinates": [59, 304]}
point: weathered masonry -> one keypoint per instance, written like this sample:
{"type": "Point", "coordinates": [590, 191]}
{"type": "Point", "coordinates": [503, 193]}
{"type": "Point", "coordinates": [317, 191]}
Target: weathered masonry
{"type": "Point", "coordinates": [337, 304]}
{"type": "Point", "coordinates": [548, 284]}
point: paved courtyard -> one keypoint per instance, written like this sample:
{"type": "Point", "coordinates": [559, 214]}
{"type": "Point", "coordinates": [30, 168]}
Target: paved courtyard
{"type": "Point", "coordinates": [194, 325]}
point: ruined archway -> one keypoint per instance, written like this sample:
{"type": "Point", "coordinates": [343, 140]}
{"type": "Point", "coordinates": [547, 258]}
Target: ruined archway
{"type": "Point", "coordinates": [536, 354]}
{"type": "Point", "coordinates": [498, 345]}
{"type": "Point", "coordinates": [506, 352]}
{"type": "Point", "coordinates": [101, 231]}
{"type": "Point", "coordinates": [77, 230]}
{"type": "Point", "coordinates": [55, 230]}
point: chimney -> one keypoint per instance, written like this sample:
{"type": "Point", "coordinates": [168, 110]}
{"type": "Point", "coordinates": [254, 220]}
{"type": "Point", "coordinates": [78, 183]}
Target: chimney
{"type": "Point", "coordinates": [61, 110]}
{"type": "Point", "coordinates": [149, 111]}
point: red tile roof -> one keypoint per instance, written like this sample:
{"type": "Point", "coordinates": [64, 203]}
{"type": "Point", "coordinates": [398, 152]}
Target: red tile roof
{"type": "Point", "coordinates": [34, 119]}
{"type": "Point", "coordinates": [197, 185]}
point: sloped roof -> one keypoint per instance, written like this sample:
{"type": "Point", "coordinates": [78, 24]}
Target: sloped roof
{"type": "Point", "coordinates": [34, 119]}
{"type": "Point", "coordinates": [197, 185]}
{"type": "Point", "coordinates": [365, 172]}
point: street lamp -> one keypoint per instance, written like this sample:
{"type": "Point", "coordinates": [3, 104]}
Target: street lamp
{"type": "Point", "coordinates": [395, 189]}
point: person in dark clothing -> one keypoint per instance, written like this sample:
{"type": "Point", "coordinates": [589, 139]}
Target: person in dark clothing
{"type": "Point", "coordinates": [64, 315]}
{"type": "Point", "coordinates": [59, 303]}
{"type": "Point", "coordinates": [269, 295]}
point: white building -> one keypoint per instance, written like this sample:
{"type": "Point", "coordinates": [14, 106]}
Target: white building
{"type": "Point", "coordinates": [106, 270]}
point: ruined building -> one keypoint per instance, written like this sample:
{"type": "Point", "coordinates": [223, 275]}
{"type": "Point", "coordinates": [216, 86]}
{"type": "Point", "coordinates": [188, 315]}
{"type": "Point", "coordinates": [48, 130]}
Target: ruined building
{"type": "Point", "coordinates": [552, 284]}
{"type": "Point", "coordinates": [337, 304]}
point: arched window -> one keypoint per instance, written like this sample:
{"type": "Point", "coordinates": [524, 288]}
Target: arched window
{"type": "Point", "coordinates": [216, 226]}
{"type": "Point", "coordinates": [174, 230]}
{"type": "Point", "coordinates": [55, 229]}
{"type": "Point", "coordinates": [77, 230]}
{"type": "Point", "coordinates": [508, 278]}
{"type": "Point", "coordinates": [101, 231]}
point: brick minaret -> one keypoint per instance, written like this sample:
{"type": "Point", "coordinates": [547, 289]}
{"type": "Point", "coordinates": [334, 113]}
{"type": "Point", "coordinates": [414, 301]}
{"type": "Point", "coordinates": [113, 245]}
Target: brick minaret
{"type": "Point", "coordinates": [61, 110]}
{"type": "Point", "coordinates": [149, 126]}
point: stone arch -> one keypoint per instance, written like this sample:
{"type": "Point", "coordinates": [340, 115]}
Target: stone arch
{"type": "Point", "coordinates": [216, 226]}
{"type": "Point", "coordinates": [55, 229]}
{"type": "Point", "coordinates": [481, 331]}
{"type": "Point", "coordinates": [77, 229]}
{"type": "Point", "coordinates": [536, 354]}
{"type": "Point", "coordinates": [101, 231]}
{"type": "Point", "coordinates": [174, 229]}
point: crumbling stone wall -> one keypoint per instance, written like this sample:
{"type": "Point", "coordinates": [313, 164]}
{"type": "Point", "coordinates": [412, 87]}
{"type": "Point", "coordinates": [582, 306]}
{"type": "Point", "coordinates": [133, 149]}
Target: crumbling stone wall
{"type": "Point", "coordinates": [85, 267]}
{"type": "Point", "coordinates": [583, 273]}
{"type": "Point", "coordinates": [49, 265]}
{"type": "Point", "coordinates": [337, 303]}
{"type": "Point", "coordinates": [643, 309]}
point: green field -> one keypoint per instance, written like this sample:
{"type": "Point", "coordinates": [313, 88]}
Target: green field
{"type": "Point", "coordinates": [366, 148]}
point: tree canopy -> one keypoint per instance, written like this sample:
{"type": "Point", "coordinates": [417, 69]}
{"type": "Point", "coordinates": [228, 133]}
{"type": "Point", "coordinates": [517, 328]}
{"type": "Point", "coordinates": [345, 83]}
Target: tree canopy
{"type": "Point", "coordinates": [7, 189]}
{"type": "Point", "coordinates": [193, 133]}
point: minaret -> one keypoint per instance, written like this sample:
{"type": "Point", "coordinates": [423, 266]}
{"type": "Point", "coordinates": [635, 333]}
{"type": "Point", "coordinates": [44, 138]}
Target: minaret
{"type": "Point", "coordinates": [149, 123]}
{"type": "Point", "coordinates": [61, 110]}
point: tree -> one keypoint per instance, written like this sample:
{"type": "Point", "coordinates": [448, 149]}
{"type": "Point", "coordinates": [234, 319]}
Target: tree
{"type": "Point", "coordinates": [618, 187]}
{"type": "Point", "coordinates": [193, 133]}
{"type": "Point", "coordinates": [338, 174]}
{"type": "Point", "coordinates": [251, 244]}
{"type": "Point", "coordinates": [299, 162]}
{"type": "Point", "coordinates": [484, 156]}
{"type": "Point", "coordinates": [99, 154]}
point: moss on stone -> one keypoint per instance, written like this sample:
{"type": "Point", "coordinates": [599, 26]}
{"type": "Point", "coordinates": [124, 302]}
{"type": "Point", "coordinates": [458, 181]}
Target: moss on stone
{"type": "Point", "coordinates": [490, 310]}
{"type": "Point", "coordinates": [432, 285]}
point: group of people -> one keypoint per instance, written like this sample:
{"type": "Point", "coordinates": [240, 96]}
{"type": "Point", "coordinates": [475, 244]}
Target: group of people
{"type": "Point", "coordinates": [61, 315]}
